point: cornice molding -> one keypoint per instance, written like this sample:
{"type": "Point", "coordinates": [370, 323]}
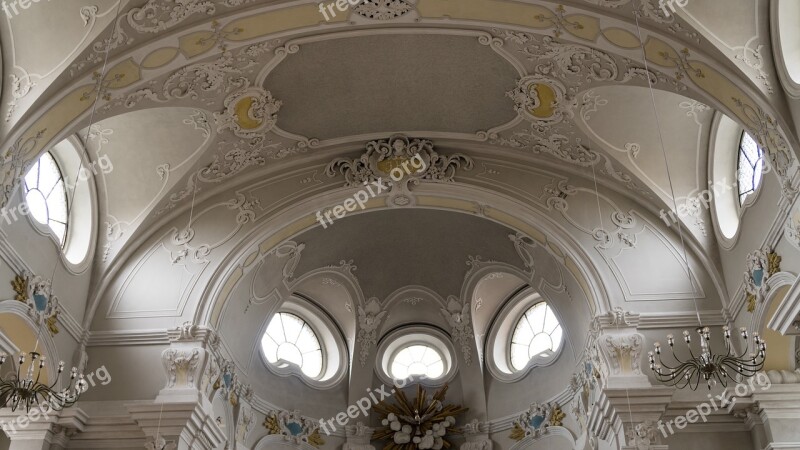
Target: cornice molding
{"type": "Point", "coordinates": [128, 338]}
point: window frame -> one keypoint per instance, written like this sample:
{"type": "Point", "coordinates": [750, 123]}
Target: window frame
{"type": "Point", "coordinates": [323, 352]}
{"type": "Point", "coordinates": [552, 353]}
{"type": "Point", "coordinates": [400, 338]}
{"type": "Point", "coordinates": [80, 239]}
{"type": "Point", "coordinates": [497, 346]}
{"type": "Point", "coordinates": [426, 344]}
{"type": "Point", "coordinates": [335, 352]}
{"type": "Point", "coordinates": [45, 228]}
{"type": "Point", "coordinates": [750, 196]}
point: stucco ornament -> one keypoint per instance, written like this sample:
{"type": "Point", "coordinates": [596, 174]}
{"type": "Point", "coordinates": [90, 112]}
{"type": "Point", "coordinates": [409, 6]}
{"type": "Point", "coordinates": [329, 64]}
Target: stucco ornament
{"type": "Point", "coordinates": [457, 315]}
{"type": "Point", "coordinates": [643, 435]}
{"type": "Point", "coordinates": [383, 9]}
{"type": "Point", "coordinates": [759, 266]}
{"type": "Point", "coordinates": [370, 316]}
{"type": "Point", "coordinates": [535, 421]}
{"type": "Point", "coordinates": [158, 443]}
{"type": "Point", "coordinates": [381, 156]}
{"type": "Point", "coordinates": [249, 113]}
{"type": "Point", "coordinates": [37, 293]}
{"type": "Point", "coordinates": [542, 100]}
{"type": "Point", "coordinates": [792, 227]}
{"type": "Point", "coordinates": [294, 428]}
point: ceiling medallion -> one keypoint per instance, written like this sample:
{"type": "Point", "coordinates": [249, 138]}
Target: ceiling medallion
{"type": "Point", "coordinates": [711, 367]}
{"type": "Point", "coordinates": [382, 9]}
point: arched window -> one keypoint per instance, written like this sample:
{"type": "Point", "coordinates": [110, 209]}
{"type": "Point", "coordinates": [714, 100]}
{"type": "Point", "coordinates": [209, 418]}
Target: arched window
{"type": "Point", "coordinates": [537, 334]}
{"type": "Point", "coordinates": [750, 166]}
{"type": "Point", "coordinates": [291, 340]}
{"type": "Point", "coordinates": [417, 359]}
{"type": "Point", "coordinates": [46, 195]}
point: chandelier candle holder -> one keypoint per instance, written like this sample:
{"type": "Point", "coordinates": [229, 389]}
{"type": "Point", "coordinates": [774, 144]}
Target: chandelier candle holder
{"type": "Point", "coordinates": [29, 391]}
{"type": "Point", "coordinates": [711, 367]}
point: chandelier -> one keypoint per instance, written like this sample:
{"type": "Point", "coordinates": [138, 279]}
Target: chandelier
{"type": "Point", "coordinates": [29, 391]}
{"type": "Point", "coordinates": [711, 367]}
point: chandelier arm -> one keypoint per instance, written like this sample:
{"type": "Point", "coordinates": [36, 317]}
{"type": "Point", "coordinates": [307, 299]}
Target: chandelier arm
{"type": "Point", "coordinates": [666, 366]}
{"type": "Point", "coordinates": [744, 352]}
{"type": "Point", "coordinates": [723, 380]}
{"type": "Point", "coordinates": [680, 371]}
{"type": "Point", "coordinates": [743, 363]}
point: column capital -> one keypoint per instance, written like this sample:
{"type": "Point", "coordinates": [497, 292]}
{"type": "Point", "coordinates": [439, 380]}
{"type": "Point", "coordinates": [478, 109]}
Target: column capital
{"type": "Point", "coordinates": [187, 423]}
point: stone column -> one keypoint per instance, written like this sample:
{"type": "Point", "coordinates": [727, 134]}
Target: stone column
{"type": "Point", "coordinates": [628, 402]}
{"type": "Point", "coordinates": [41, 429]}
{"type": "Point", "coordinates": [181, 415]}
{"type": "Point", "coordinates": [779, 410]}
{"type": "Point", "coordinates": [358, 437]}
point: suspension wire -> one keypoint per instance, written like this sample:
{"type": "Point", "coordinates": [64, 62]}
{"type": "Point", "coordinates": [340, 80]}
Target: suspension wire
{"type": "Point", "coordinates": [88, 133]}
{"type": "Point", "coordinates": [666, 165]}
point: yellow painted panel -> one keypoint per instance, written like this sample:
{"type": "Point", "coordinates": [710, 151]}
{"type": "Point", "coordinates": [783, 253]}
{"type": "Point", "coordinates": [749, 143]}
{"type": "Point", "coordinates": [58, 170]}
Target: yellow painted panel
{"type": "Point", "coordinates": [123, 74]}
{"type": "Point", "coordinates": [160, 57]}
{"type": "Point", "coordinates": [556, 250]}
{"type": "Point", "coordinates": [575, 271]}
{"type": "Point", "coordinates": [547, 101]}
{"type": "Point", "coordinates": [656, 49]}
{"type": "Point", "coordinates": [227, 288]}
{"type": "Point", "coordinates": [488, 10]}
{"type": "Point", "coordinates": [18, 331]}
{"type": "Point", "coordinates": [780, 350]}
{"type": "Point", "coordinates": [589, 26]}
{"type": "Point", "coordinates": [59, 116]}
{"type": "Point", "coordinates": [287, 232]}
{"type": "Point", "coordinates": [517, 224]}
{"type": "Point", "coordinates": [450, 203]}
{"type": "Point", "coordinates": [721, 88]}
{"type": "Point", "coordinates": [621, 38]}
{"type": "Point", "coordinates": [197, 43]}
{"type": "Point", "coordinates": [250, 259]}
{"type": "Point", "coordinates": [242, 113]}
{"type": "Point", "coordinates": [276, 21]}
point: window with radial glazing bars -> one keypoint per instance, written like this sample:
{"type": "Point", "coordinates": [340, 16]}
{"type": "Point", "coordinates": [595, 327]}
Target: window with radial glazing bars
{"type": "Point", "coordinates": [538, 333]}
{"type": "Point", "coordinates": [750, 167]}
{"type": "Point", "coordinates": [289, 339]}
{"type": "Point", "coordinates": [46, 195]}
{"type": "Point", "coordinates": [417, 359]}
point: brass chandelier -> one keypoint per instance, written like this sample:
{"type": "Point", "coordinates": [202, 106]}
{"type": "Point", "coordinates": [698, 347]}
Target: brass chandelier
{"type": "Point", "coordinates": [711, 367]}
{"type": "Point", "coordinates": [28, 391]}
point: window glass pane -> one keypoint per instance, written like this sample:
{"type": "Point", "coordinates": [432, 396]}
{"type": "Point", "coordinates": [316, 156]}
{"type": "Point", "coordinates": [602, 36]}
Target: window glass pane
{"type": "Point", "coordinates": [750, 167]}
{"type": "Point", "coordinates": [49, 174]}
{"type": "Point", "coordinates": [537, 331]}
{"type": "Point", "coordinates": [37, 205]}
{"type": "Point", "coordinates": [417, 360]}
{"type": "Point", "coordinates": [291, 339]}
{"type": "Point", "coordinates": [46, 195]}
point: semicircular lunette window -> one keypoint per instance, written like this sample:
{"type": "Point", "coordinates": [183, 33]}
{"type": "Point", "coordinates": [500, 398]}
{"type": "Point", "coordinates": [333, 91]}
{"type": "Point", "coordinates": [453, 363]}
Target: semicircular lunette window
{"type": "Point", "coordinates": [46, 195]}
{"type": "Point", "coordinates": [415, 360]}
{"type": "Point", "coordinates": [290, 340]}
{"type": "Point", "coordinates": [750, 166]}
{"type": "Point", "coordinates": [537, 334]}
